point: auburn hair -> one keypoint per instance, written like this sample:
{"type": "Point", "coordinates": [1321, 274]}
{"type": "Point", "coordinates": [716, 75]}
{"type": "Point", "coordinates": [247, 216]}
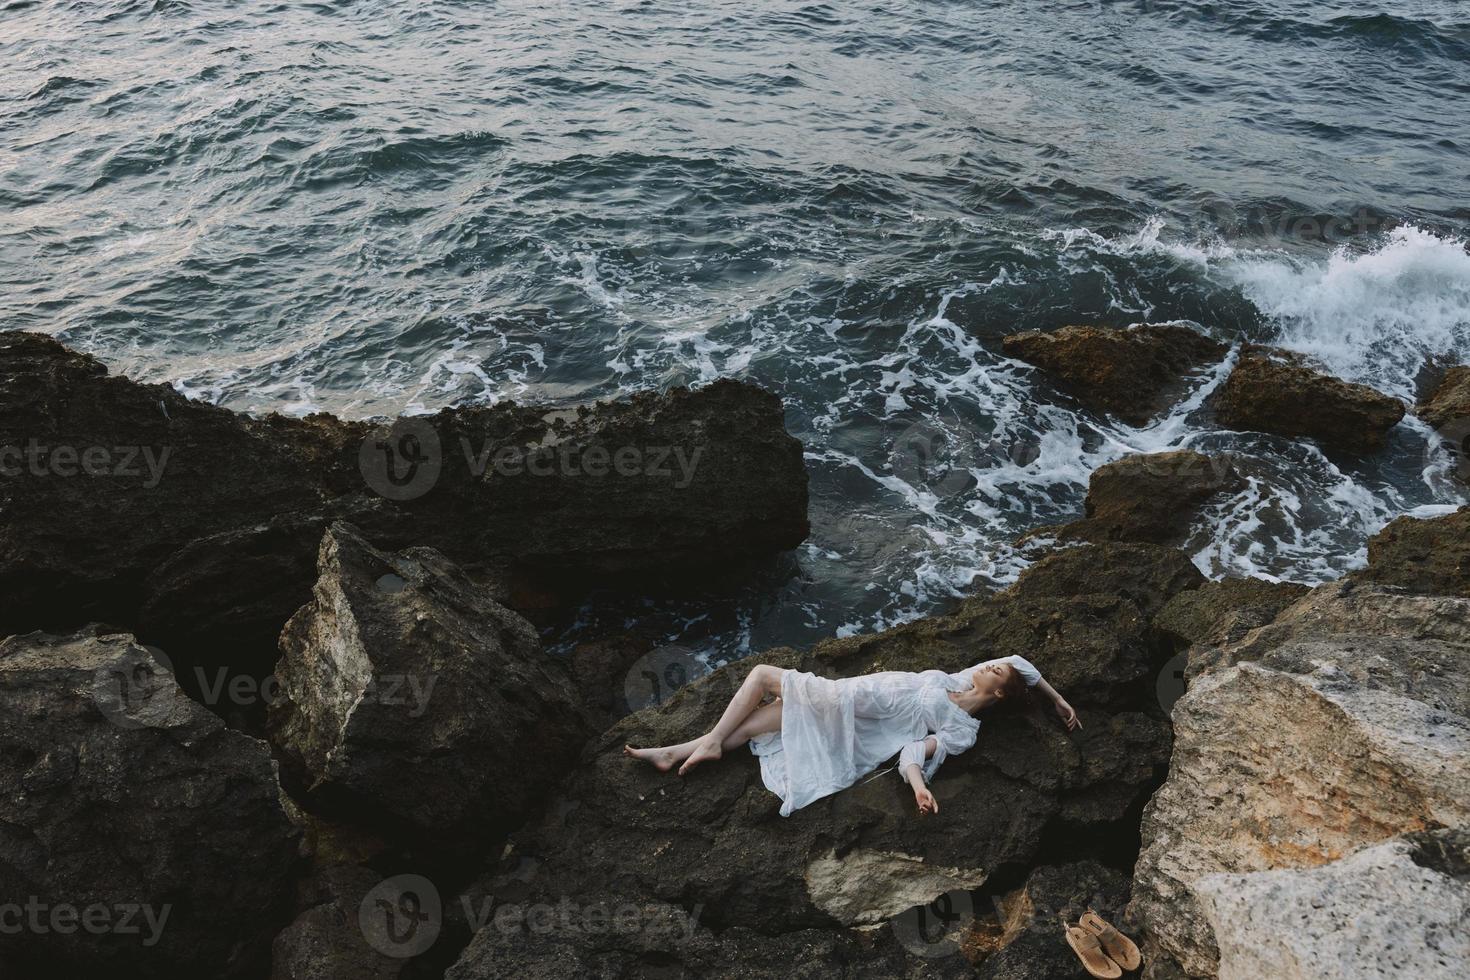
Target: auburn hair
{"type": "Point", "coordinates": [1016, 692]}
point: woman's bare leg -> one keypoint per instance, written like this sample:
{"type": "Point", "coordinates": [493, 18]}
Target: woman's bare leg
{"type": "Point", "coordinates": [731, 728]}
{"type": "Point", "coordinates": [766, 718]}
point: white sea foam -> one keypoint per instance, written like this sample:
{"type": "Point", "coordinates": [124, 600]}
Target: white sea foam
{"type": "Point", "coordinates": [1374, 316]}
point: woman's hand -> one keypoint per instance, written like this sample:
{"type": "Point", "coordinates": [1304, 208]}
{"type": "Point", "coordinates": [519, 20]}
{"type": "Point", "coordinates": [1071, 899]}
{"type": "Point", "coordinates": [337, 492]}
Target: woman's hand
{"type": "Point", "coordinates": [1068, 714]}
{"type": "Point", "coordinates": [925, 799]}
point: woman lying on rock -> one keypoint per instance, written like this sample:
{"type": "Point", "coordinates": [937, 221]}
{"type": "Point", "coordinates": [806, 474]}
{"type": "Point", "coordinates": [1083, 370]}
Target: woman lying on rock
{"type": "Point", "coordinates": [821, 735]}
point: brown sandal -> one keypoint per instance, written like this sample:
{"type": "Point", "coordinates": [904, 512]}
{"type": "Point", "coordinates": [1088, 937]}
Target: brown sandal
{"type": "Point", "coordinates": [1119, 947]}
{"type": "Point", "coordinates": [1090, 952]}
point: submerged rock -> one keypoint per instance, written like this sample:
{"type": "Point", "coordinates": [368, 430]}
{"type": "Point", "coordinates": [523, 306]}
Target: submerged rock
{"type": "Point", "coordinates": [128, 493]}
{"type": "Point", "coordinates": [1151, 499]}
{"type": "Point", "coordinates": [1343, 723]}
{"type": "Point", "coordinates": [151, 840]}
{"type": "Point", "coordinates": [1426, 556]}
{"type": "Point", "coordinates": [1133, 373]}
{"type": "Point", "coordinates": [1275, 391]}
{"type": "Point", "coordinates": [406, 690]}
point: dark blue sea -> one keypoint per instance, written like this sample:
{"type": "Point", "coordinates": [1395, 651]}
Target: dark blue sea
{"type": "Point", "coordinates": [375, 208]}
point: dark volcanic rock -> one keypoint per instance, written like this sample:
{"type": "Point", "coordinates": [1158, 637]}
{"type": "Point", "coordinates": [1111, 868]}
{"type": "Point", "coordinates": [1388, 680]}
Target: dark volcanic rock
{"type": "Point", "coordinates": [1147, 574]}
{"type": "Point", "coordinates": [118, 481]}
{"type": "Point", "coordinates": [1133, 373]}
{"type": "Point", "coordinates": [121, 793]}
{"type": "Point", "coordinates": [1431, 557]}
{"type": "Point", "coordinates": [1147, 498]}
{"type": "Point", "coordinates": [610, 936]}
{"type": "Point", "coordinates": [1033, 944]}
{"type": "Point", "coordinates": [1275, 391]}
{"type": "Point", "coordinates": [1224, 611]}
{"type": "Point", "coordinates": [1448, 408]}
{"type": "Point", "coordinates": [405, 688]}
{"type": "Point", "coordinates": [326, 941]}
{"type": "Point", "coordinates": [861, 857]}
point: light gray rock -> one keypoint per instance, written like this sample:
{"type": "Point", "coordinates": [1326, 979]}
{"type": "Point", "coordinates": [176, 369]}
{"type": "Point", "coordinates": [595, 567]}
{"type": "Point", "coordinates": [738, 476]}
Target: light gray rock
{"type": "Point", "coordinates": [1384, 912]}
{"type": "Point", "coordinates": [1342, 724]}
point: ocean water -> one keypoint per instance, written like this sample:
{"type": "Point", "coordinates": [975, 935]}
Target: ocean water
{"type": "Point", "coordinates": [377, 207]}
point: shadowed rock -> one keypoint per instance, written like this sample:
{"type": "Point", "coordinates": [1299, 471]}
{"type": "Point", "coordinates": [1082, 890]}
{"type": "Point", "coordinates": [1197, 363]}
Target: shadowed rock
{"type": "Point", "coordinates": [610, 936]}
{"type": "Point", "coordinates": [1133, 373]}
{"type": "Point", "coordinates": [1148, 575]}
{"type": "Point", "coordinates": [406, 690]}
{"type": "Point", "coordinates": [120, 483]}
{"type": "Point", "coordinates": [122, 795]}
{"type": "Point", "coordinates": [1028, 938]}
{"type": "Point", "coordinates": [1275, 391]}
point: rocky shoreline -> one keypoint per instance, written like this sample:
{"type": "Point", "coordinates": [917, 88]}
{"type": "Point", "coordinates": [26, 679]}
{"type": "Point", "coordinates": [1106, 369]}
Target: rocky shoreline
{"type": "Point", "coordinates": [280, 693]}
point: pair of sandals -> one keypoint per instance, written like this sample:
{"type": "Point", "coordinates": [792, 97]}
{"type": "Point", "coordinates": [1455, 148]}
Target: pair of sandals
{"type": "Point", "coordinates": [1104, 951]}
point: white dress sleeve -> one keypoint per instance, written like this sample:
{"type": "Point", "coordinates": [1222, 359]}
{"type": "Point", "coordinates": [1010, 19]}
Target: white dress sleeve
{"type": "Point", "coordinates": [949, 740]}
{"type": "Point", "coordinates": [1025, 668]}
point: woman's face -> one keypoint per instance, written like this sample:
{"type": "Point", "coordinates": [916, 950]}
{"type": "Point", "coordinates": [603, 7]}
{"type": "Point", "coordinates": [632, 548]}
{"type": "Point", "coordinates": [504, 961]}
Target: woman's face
{"type": "Point", "coordinates": [989, 680]}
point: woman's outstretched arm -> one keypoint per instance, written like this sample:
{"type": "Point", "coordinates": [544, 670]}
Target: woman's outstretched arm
{"type": "Point", "coordinates": [1065, 711]}
{"type": "Point", "coordinates": [913, 771]}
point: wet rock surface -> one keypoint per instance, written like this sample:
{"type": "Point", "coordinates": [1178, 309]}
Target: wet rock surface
{"type": "Point", "coordinates": [1447, 409]}
{"type": "Point", "coordinates": [1276, 391]}
{"type": "Point", "coordinates": [406, 689]}
{"type": "Point", "coordinates": [156, 835]}
{"type": "Point", "coordinates": [1133, 373]}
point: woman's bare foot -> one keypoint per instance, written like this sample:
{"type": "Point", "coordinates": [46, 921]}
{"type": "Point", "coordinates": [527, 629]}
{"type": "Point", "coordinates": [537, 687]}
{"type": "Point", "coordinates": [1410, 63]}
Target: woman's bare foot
{"type": "Point", "coordinates": [706, 749]}
{"type": "Point", "coordinates": [661, 759]}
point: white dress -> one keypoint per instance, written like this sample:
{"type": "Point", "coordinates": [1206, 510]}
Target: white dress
{"type": "Point", "coordinates": [833, 732]}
